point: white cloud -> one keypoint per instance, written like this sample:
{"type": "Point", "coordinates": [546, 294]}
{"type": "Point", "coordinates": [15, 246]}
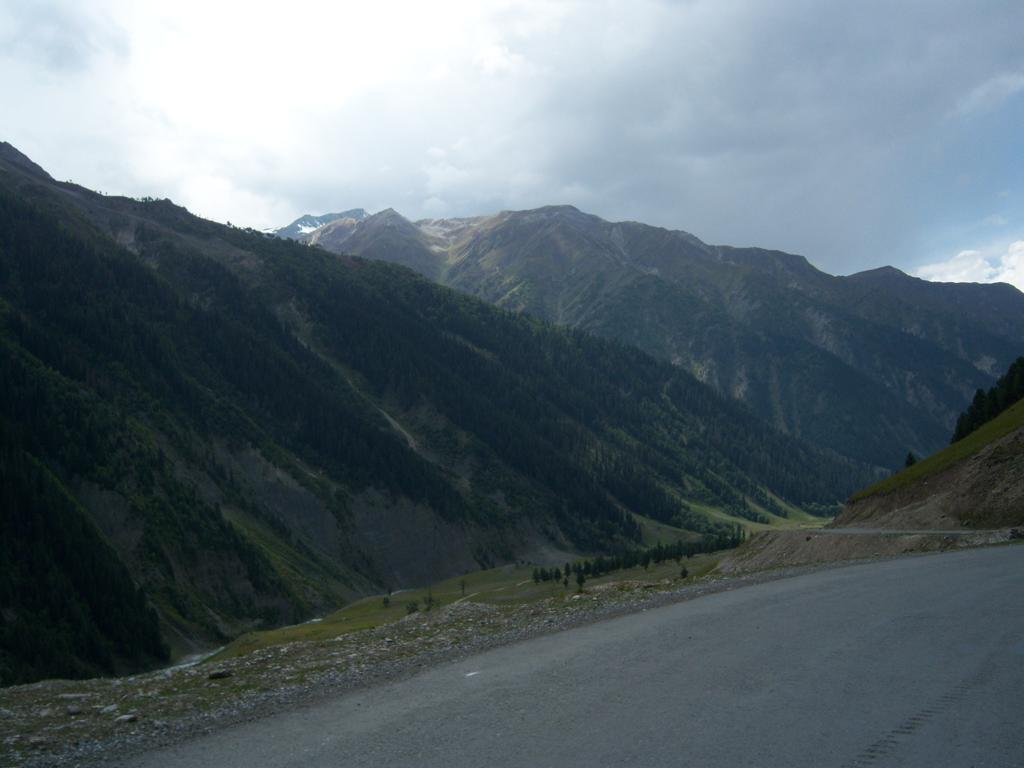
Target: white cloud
{"type": "Point", "coordinates": [991, 93]}
{"type": "Point", "coordinates": [975, 266]}
{"type": "Point", "coordinates": [497, 59]}
{"type": "Point", "coordinates": [1013, 265]}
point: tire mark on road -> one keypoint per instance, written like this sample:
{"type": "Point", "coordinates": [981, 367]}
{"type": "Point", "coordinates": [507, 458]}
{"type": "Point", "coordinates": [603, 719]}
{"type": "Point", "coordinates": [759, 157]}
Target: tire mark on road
{"type": "Point", "coordinates": [893, 738]}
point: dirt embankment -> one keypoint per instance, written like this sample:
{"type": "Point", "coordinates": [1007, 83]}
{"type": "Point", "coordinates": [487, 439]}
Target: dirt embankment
{"type": "Point", "coordinates": [983, 491]}
{"type": "Point", "coordinates": [975, 502]}
{"type": "Point", "coordinates": [786, 549]}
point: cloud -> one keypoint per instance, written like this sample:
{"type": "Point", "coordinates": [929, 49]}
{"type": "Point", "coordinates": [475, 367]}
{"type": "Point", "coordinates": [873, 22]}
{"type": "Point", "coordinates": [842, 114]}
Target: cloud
{"type": "Point", "coordinates": [817, 128]}
{"type": "Point", "coordinates": [991, 93]}
{"type": "Point", "coordinates": [59, 35]}
{"type": "Point", "coordinates": [975, 266]}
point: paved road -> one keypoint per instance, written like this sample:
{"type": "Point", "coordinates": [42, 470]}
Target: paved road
{"type": "Point", "coordinates": [894, 531]}
{"type": "Point", "coordinates": [912, 662]}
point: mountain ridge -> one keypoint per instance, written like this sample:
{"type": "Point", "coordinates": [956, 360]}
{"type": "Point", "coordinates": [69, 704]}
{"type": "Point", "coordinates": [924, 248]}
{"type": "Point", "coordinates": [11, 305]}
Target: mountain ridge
{"type": "Point", "coordinates": [308, 223]}
{"type": "Point", "coordinates": [765, 327]}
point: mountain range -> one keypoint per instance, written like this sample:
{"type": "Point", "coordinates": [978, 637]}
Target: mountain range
{"type": "Point", "coordinates": [870, 365]}
{"type": "Point", "coordinates": [205, 429]}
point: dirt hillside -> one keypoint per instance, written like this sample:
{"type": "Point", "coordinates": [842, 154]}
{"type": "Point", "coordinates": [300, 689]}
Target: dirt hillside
{"type": "Point", "coordinates": [983, 491]}
{"type": "Point", "coordinates": [976, 501]}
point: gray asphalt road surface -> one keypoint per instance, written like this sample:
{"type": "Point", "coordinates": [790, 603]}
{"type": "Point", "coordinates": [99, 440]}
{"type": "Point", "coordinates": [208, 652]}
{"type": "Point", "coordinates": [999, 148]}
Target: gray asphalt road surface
{"type": "Point", "coordinates": [911, 662]}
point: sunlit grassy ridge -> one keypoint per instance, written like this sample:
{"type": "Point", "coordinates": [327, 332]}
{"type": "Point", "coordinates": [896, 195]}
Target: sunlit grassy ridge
{"type": "Point", "coordinates": [1010, 420]}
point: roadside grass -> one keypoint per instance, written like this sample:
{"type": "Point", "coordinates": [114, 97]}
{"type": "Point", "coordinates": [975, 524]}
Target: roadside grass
{"type": "Point", "coordinates": [1008, 421]}
{"type": "Point", "coordinates": [509, 585]}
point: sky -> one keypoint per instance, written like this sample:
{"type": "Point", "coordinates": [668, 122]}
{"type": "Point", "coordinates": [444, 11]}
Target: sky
{"type": "Point", "coordinates": [858, 134]}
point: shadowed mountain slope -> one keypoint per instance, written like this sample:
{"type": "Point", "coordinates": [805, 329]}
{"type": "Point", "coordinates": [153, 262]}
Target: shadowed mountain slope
{"type": "Point", "coordinates": [250, 431]}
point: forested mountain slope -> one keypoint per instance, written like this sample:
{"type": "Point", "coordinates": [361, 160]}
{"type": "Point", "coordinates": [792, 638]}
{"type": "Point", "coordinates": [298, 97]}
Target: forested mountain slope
{"type": "Point", "coordinates": [250, 431]}
{"type": "Point", "coordinates": [871, 365]}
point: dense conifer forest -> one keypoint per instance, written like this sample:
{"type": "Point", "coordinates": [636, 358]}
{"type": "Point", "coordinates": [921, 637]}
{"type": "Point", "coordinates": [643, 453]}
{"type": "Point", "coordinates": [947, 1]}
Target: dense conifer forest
{"type": "Point", "coordinates": [631, 558]}
{"type": "Point", "coordinates": [987, 405]}
{"type": "Point", "coordinates": [70, 606]}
